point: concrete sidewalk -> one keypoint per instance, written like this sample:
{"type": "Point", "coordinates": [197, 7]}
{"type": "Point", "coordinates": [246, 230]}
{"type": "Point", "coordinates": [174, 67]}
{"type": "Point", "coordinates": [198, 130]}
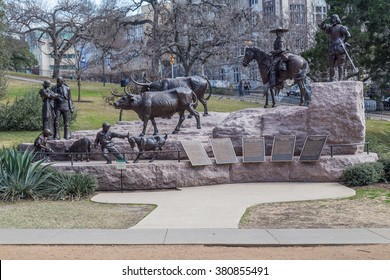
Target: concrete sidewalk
{"type": "Point", "coordinates": [207, 215]}
{"type": "Point", "coordinates": [231, 237]}
{"type": "Point", "coordinates": [218, 206]}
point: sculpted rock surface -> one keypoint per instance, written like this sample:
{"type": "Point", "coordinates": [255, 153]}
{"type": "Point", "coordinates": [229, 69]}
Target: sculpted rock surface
{"type": "Point", "coordinates": [336, 110]}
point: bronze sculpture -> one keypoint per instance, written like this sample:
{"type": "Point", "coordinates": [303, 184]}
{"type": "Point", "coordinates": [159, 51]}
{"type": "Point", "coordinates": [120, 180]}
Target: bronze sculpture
{"type": "Point", "coordinates": [80, 147]}
{"type": "Point", "coordinates": [150, 143]}
{"type": "Point", "coordinates": [199, 86]}
{"type": "Point", "coordinates": [62, 106]}
{"type": "Point", "coordinates": [48, 98]}
{"type": "Point", "coordinates": [297, 69]}
{"type": "Point", "coordinates": [41, 150]}
{"type": "Point", "coordinates": [152, 104]}
{"type": "Point", "coordinates": [104, 138]}
{"type": "Point", "coordinates": [337, 52]}
{"type": "Point", "coordinates": [279, 55]}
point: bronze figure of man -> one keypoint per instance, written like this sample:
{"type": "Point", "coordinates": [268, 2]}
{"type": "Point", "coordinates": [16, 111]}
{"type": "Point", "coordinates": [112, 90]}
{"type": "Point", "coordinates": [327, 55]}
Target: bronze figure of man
{"type": "Point", "coordinates": [62, 106]}
{"type": "Point", "coordinates": [48, 98]}
{"type": "Point", "coordinates": [279, 55]}
{"type": "Point", "coordinates": [338, 36]}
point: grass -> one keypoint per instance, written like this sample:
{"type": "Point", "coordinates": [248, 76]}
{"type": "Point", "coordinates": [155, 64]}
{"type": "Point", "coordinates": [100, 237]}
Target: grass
{"type": "Point", "coordinates": [82, 214]}
{"type": "Point", "coordinates": [375, 193]}
{"type": "Point", "coordinates": [378, 134]}
{"type": "Point", "coordinates": [370, 207]}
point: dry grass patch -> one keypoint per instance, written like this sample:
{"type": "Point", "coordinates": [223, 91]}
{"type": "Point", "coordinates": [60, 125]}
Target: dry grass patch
{"type": "Point", "coordinates": [369, 208]}
{"type": "Point", "coordinates": [82, 214]}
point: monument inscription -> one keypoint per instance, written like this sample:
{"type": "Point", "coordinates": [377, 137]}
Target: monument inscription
{"type": "Point", "coordinates": [312, 149]}
{"type": "Point", "coordinates": [283, 148]}
{"type": "Point", "coordinates": [253, 149]}
{"type": "Point", "coordinates": [195, 152]}
{"type": "Point", "coordinates": [223, 151]}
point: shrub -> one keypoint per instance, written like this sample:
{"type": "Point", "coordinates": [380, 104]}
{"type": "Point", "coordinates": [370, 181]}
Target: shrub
{"type": "Point", "coordinates": [71, 186]}
{"type": "Point", "coordinates": [385, 160]}
{"type": "Point", "coordinates": [3, 85]}
{"type": "Point", "coordinates": [19, 176]}
{"type": "Point", "coordinates": [25, 113]}
{"type": "Point", "coordinates": [363, 174]}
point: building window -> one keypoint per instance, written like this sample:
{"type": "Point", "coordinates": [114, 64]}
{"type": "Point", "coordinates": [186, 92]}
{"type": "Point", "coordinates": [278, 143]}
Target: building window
{"type": "Point", "coordinates": [320, 13]}
{"type": "Point", "coordinates": [253, 2]}
{"type": "Point", "coordinates": [297, 14]}
{"type": "Point", "coordinates": [269, 9]}
{"type": "Point", "coordinates": [222, 74]}
{"type": "Point", "coordinates": [236, 74]}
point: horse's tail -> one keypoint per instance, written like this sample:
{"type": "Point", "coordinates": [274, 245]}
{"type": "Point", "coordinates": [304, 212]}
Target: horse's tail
{"type": "Point", "coordinates": [209, 88]}
{"type": "Point", "coordinates": [303, 71]}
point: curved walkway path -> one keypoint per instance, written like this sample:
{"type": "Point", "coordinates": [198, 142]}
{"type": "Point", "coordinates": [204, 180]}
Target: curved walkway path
{"type": "Point", "coordinates": [218, 206]}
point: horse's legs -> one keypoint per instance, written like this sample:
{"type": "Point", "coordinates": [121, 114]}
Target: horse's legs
{"type": "Point", "coordinates": [302, 90]}
{"type": "Point", "coordinates": [266, 98]}
{"type": "Point", "coordinates": [273, 96]}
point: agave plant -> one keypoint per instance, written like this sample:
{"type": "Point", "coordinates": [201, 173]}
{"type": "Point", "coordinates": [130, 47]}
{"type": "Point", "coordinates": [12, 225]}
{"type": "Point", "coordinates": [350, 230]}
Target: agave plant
{"type": "Point", "coordinates": [71, 186]}
{"type": "Point", "coordinates": [20, 177]}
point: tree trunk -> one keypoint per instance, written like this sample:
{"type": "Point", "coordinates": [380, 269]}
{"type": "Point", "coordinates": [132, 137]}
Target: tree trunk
{"type": "Point", "coordinates": [56, 70]}
{"type": "Point", "coordinates": [78, 88]}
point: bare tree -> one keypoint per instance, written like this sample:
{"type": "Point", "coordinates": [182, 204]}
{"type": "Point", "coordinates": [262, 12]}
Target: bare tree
{"type": "Point", "coordinates": [193, 33]}
{"type": "Point", "coordinates": [81, 62]}
{"type": "Point", "coordinates": [62, 26]}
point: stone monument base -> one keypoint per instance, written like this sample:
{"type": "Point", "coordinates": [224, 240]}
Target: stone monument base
{"type": "Point", "coordinates": [168, 174]}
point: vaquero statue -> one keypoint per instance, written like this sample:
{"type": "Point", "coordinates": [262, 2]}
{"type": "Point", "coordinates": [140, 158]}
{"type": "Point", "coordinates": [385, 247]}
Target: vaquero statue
{"type": "Point", "coordinates": [48, 115]}
{"type": "Point", "coordinates": [337, 52]}
{"type": "Point", "coordinates": [279, 55]}
{"type": "Point", "coordinates": [62, 106]}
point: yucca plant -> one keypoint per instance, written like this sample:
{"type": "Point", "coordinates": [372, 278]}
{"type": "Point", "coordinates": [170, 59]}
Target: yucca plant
{"type": "Point", "coordinates": [20, 177]}
{"type": "Point", "coordinates": [71, 186]}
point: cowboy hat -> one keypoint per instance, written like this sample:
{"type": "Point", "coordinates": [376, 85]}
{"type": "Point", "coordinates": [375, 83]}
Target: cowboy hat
{"type": "Point", "coordinates": [279, 29]}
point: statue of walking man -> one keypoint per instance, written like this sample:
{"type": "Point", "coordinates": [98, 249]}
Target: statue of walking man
{"type": "Point", "coordinates": [62, 106]}
{"type": "Point", "coordinates": [337, 53]}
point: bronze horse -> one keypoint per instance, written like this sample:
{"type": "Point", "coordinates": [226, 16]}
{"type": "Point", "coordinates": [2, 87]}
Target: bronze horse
{"type": "Point", "coordinates": [297, 68]}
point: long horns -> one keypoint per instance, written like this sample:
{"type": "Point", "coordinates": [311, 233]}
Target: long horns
{"type": "Point", "coordinates": [140, 84]}
{"type": "Point", "coordinates": [115, 93]}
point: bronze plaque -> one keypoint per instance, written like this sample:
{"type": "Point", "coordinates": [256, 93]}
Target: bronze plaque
{"type": "Point", "coordinates": [195, 152]}
{"type": "Point", "coordinates": [312, 149]}
{"type": "Point", "coordinates": [283, 148]}
{"type": "Point", "coordinates": [223, 151]}
{"type": "Point", "coordinates": [253, 149]}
